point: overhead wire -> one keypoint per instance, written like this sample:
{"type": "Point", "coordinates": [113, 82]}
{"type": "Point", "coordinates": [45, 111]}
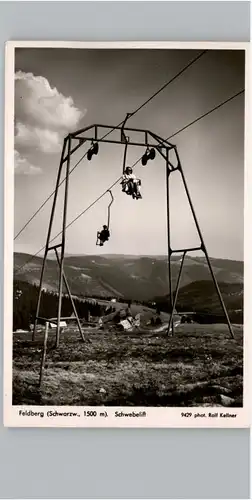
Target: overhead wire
{"type": "Point", "coordinates": [194, 60]}
{"type": "Point", "coordinates": [119, 178]}
{"type": "Point", "coordinates": [70, 224]}
{"type": "Point", "coordinates": [198, 119]}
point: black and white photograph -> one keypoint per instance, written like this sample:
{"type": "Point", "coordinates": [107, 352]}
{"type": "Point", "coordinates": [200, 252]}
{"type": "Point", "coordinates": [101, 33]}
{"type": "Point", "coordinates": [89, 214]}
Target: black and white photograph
{"type": "Point", "coordinates": [124, 234]}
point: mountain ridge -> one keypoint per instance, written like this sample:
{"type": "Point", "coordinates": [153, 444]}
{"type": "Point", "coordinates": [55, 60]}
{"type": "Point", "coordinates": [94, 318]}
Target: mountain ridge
{"type": "Point", "coordinates": [137, 277]}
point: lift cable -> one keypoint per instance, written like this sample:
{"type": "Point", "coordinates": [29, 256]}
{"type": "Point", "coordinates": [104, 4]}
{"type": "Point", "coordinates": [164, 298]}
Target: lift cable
{"type": "Point", "coordinates": [119, 178]}
{"type": "Point", "coordinates": [68, 225]}
{"type": "Point", "coordinates": [121, 123]}
{"type": "Point", "coordinates": [197, 119]}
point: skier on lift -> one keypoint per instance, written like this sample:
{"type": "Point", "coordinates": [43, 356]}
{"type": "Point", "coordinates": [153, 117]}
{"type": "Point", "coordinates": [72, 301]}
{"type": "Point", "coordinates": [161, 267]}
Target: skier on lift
{"type": "Point", "coordinates": [103, 236]}
{"type": "Point", "coordinates": [130, 184]}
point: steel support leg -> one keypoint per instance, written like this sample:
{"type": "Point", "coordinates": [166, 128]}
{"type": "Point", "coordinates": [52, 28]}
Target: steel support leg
{"type": "Point", "coordinates": [176, 293]}
{"type": "Point", "coordinates": [48, 238]}
{"type": "Point", "coordinates": [219, 293]}
{"type": "Point", "coordinates": [169, 234]}
{"type": "Point", "coordinates": [206, 254]}
{"type": "Point", "coordinates": [63, 241]}
{"type": "Point", "coordinates": [71, 299]}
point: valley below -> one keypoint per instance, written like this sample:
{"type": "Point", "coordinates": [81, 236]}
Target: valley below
{"type": "Point", "coordinates": [199, 365]}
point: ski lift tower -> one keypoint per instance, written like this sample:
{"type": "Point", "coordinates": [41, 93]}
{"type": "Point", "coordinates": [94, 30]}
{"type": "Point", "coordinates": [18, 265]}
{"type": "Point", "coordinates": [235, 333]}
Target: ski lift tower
{"type": "Point", "coordinates": [152, 143]}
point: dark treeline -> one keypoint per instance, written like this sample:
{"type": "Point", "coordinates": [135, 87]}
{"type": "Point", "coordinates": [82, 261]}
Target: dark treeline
{"type": "Point", "coordinates": [200, 297]}
{"type": "Point", "coordinates": [202, 314]}
{"type": "Point", "coordinates": [25, 298]}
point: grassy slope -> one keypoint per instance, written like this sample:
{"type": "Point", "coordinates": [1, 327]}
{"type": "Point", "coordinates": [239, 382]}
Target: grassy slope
{"type": "Point", "coordinates": [190, 369]}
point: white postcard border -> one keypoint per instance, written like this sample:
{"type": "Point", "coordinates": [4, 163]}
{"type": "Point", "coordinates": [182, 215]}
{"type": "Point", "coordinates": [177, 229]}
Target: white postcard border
{"type": "Point", "coordinates": [154, 417]}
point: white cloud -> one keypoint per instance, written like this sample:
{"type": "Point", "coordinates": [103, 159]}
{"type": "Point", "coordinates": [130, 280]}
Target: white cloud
{"type": "Point", "coordinates": [44, 140]}
{"type": "Point", "coordinates": [43, 116]}
{"type": "Point", "coordinates": [23, 166]}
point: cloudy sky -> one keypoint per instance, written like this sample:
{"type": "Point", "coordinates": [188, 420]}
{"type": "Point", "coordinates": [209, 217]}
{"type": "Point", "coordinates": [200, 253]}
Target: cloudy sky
{"type": "Point", "coordinates": [59, 90]}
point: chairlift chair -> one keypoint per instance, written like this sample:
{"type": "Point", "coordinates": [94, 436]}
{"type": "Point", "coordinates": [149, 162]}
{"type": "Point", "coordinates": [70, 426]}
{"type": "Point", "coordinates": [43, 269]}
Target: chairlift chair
{"type": "Point", "coordinates": [104, 234]}
{"type": "Point", "coordinates": [132, 187]}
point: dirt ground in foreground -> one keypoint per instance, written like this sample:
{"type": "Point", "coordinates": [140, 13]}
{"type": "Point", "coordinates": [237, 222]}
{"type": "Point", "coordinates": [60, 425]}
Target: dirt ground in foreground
{"type": "Point", "coordinates": [196, 367]}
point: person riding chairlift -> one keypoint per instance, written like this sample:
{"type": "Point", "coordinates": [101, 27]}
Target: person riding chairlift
{"type": "Point", "coordinates": [103, 235]}
{"type": "Point", "coordinates": [130, 184]}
